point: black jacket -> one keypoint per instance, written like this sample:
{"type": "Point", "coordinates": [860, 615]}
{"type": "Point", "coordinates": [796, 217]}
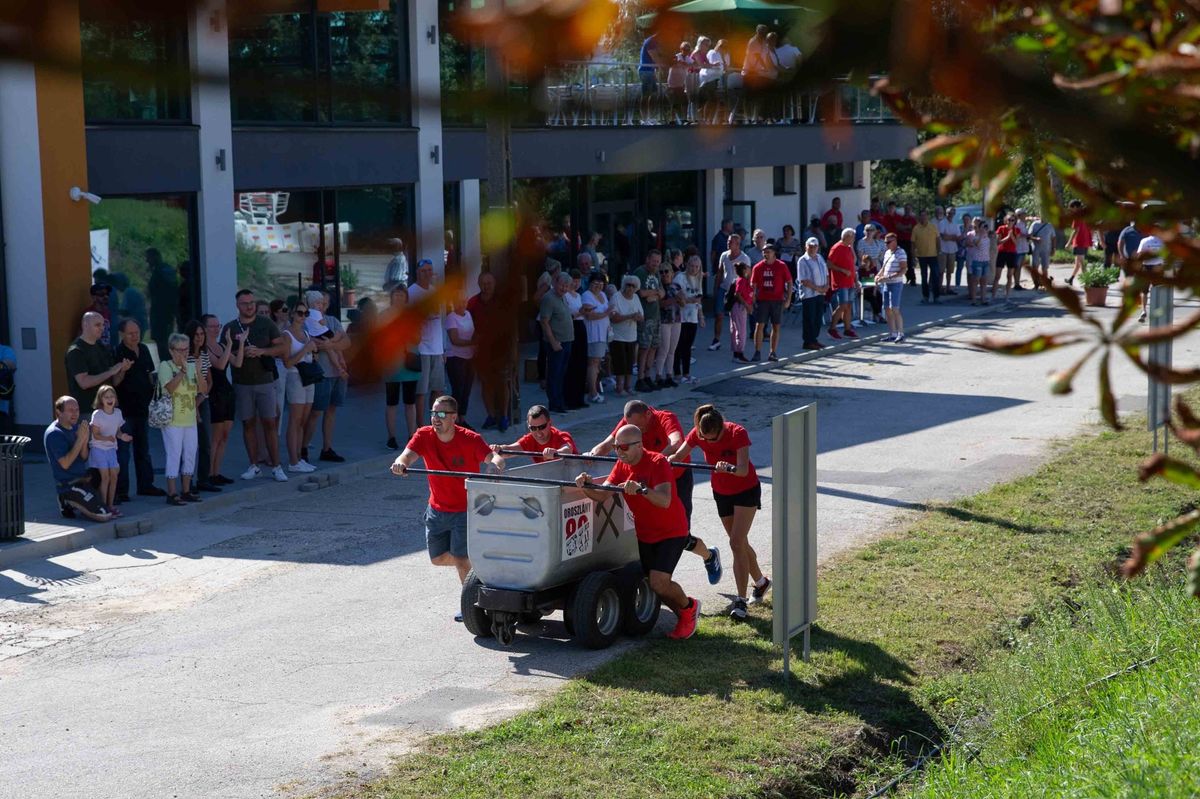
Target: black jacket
{"type": "Point", "coordinates": [137, 389]}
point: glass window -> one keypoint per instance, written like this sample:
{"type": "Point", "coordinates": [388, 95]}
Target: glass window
{"type": "Point", "coordinates": [134, 70]}
{"type": "Point", "coordinates": [840, 176]}
{"type": "Point", "coordinates": [145, 246]}
{"type": "Point", "coordinates": [325, 67]}
{"type": "Point", "coordinates": [376, 228]}
{"type": "Point", "coordinates": [784, 180]}
{"type": "Point", "coordinates": [462, 70]}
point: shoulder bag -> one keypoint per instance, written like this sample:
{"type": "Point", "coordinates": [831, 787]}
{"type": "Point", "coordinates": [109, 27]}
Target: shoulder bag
{"type": "Point", "coordinates": [162, 409]}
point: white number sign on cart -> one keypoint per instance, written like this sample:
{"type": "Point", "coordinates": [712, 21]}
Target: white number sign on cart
{"type": "Point", "coordinates": [578, 537]}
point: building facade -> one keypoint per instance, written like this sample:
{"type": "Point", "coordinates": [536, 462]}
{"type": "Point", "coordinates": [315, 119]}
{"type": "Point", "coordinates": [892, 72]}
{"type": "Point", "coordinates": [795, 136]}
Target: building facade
{"type": "Point", "coordinates": [329, 140]}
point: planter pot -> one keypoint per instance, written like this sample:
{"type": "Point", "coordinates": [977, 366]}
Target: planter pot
{"type": "Point", "coordinates": [348, 298]}
{"type": "Point", "coordinates": [1096, 296]}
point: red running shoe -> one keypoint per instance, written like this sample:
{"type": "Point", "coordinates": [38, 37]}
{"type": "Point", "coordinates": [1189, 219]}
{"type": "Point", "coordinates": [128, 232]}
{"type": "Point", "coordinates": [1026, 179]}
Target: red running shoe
{"type": "Point", "coordinates": [850, 333]}
{"type": "Point", "coordinates": [685, 627]}
{"type": "Point", "coordinates": [833, 333]}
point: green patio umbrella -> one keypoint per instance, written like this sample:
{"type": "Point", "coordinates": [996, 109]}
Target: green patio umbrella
{"type": "Point", "coordinates": [732, 11]}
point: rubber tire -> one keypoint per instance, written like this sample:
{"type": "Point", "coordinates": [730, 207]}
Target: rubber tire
{"type": "Point", "coordinates": [592, 590]}
{"type": "Point", "coordinates": [568, 620]}
{"type": "Point", "coordinates": [475, 619]}
{"type": "Point", "coordinates": [630, 623]}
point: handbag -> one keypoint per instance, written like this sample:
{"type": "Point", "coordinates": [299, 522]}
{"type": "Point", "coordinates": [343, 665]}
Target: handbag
{"type": "Point", "coordinates": [310, 373]}
{"type": "Point", "coordinates": [161, 409]}
{"type": "Point", "coordinates": [730, 300]}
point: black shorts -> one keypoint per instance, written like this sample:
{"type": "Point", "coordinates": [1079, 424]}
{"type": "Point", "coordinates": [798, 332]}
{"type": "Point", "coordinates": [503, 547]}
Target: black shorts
{"type": "Point", "coordinates": [750, 498]}
{"type": "Point", "coordinates": [683, 487]}
{"type": "Point", "coordinates": [1006, 260]}
{"type": "Point", "coordinates": [1079, 250]}
{"type": "Point", "coordinates": [220, 403]}
{"type": "Point", "coordinates": [662, 556]}
{"type": "Point", "coordinates": [409, 387]}
{"type": "Point", "coordinates": [768, 311]}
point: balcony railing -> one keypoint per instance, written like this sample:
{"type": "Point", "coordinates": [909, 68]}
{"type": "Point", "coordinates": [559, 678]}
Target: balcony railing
{"type": "Point", "coordinates": [591, 94]}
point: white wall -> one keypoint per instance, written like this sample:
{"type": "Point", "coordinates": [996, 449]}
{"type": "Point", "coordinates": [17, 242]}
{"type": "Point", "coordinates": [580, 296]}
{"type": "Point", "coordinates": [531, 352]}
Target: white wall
{"type": "Point", "coordinates": [24, 240]}
{"type": "Point", "coordinates": [853, 200]}
{"type": "Point", "coordinates": [209, 40]}
{"type": "Point", "coordinates": [427, 118]}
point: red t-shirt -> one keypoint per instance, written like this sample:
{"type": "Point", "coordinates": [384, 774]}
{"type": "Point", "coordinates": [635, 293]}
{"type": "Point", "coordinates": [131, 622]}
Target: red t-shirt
{"type": "Point", "coordinates": [652, 523]}
{"type": "Point", "coordinates": [725, 448]}
{"type": "Point", "coordinates": [832, 216]}
{"type": "Point", "coordinates": [657, 435]}
{"type": "Point", "coordinates": [769, 280]}
{"type": "Point", "coordinates": [557, 439]}
{"type": "Point", "coordinates": [463, 453]}
{"type": "Point", "coordinates": [842, 256]}
{"type": "Point", "coordinates": [743, 289]}
{"type": "Point", "coordinates": [904, 226]}
{"type": "Point", "coordinates": [1082, 237]}
{"type": "Point", "coordinates": [1002, 245]}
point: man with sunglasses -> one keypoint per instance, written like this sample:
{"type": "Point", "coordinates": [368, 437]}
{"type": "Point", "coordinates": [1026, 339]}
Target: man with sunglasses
{"type": "Point", "coordinates": [542, 438]}
{"type": "Point", "coordinates": [662, 434]}
{"type": "Point", "coordinates": [447, 447]}
{"type": "Point", "coordinates": [658, 518]}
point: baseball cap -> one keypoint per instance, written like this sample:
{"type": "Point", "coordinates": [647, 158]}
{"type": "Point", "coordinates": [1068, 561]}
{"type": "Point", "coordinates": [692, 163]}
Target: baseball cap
{"type": "Point", "coordinates": [424, 262]}
{"type": "Point", "coordinates": [770, 246]}
{"type": "Point", "coordinates": [812, 242]}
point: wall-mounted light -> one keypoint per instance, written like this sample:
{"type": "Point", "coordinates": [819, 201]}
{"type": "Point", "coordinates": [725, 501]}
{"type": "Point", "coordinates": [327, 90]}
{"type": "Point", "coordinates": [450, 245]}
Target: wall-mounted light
{"type": "Point", "coordinates": [221, 159]}
{"type": "Point", "coordinates": [431, 34]}
{"type": "Point", "coordinates": [435, 154]}
{"type": "Point", "coordinates": [733, 149]}
{"type": "Point", "coordinates": [601, 156]}
{"type": "Point", "coordinates": [78, 194]}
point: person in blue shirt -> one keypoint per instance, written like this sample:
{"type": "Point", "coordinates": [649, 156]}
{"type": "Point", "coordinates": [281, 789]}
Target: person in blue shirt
{"type": "Point", "coordinates": [8, 367]}
{"type": "Point", "coordinates": [648, 73]}
{"type": "Point", "coordinates": [66, 443]}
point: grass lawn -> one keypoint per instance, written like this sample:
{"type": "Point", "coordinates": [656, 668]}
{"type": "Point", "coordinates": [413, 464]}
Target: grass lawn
{"type": "Point", "coordinates": [711, 717]}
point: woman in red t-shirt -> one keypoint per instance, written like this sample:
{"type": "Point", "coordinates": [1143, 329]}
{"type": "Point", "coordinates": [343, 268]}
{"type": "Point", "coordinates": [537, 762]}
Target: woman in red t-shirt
{"type": "Point", "coordinates": [1081, 238]}
{"type": "Point", "coordinates": [737, 491]}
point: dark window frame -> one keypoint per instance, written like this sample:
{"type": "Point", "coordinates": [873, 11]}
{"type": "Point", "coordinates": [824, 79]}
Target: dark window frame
{"type": "Point", "coordinates": [833, 183]}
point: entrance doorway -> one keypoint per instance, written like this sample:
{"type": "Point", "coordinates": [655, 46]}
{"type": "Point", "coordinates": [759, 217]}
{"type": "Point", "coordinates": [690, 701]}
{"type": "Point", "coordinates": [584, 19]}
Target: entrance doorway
{"type": "Point", "coordinates": [616, 222]}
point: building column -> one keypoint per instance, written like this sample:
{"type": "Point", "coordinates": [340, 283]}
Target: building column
{"type": "Point", "coordinates": [25, 242]}
{"type": "Point", "coordinates": [425, 82]}
{"type": "Point", "coordinates": [469, 244]}
{"type": "Point", "coordinates": [208, 45]}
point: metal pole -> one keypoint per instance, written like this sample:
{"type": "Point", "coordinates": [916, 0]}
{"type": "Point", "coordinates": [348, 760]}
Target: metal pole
{"type": "Point", "coordinates": [704, 467]}
{"type": "Point", "coordinates": [526, 480]}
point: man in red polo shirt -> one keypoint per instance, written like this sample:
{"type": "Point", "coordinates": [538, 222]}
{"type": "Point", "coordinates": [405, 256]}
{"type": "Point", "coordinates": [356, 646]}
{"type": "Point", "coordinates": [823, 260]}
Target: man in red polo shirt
{"type": "Point", "coordinates": [1006, 256]}
{"type": "Point", "coordinates": [771, 281]}
{"type": "Point", "coordinates": [543, 437]}
{"type": "Point", "coordinates": [658, 519]}
{"type": "Point", "coordinates": [447, 447]}
{"type": "Point", "coordinates": [662, 433]}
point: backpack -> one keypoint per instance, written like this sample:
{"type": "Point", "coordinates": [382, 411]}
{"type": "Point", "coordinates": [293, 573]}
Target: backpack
{"type": "Point", "coordinates": [730, 300]}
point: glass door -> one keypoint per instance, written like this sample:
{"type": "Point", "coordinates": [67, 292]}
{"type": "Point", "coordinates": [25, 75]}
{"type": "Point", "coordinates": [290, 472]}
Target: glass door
{"type": "Point", "coordinates": [616, 223]}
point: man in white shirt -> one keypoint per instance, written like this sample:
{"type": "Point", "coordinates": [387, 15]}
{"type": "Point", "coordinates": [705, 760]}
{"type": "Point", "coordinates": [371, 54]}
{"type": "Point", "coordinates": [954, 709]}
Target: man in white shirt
{"type": "Point", "coordinates": [1149, 254]}
{"type": "Point", "coordinates": [948, 233]}
{"type": "Point", "coordinates": [432, 346]}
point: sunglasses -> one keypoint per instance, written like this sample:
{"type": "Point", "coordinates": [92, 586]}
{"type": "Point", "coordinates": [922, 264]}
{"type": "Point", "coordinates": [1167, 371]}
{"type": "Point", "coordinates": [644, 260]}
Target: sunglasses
{"type": "Point", "coordinates": [537, 428]}
{"type": "Point", "coordinates": [626, 447]}
{"type": "Point", "coordinates": [443, 414]}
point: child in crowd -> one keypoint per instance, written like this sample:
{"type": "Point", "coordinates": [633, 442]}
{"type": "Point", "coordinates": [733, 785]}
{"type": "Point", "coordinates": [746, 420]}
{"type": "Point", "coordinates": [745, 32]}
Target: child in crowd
{"type": "Point", "coordinates": [107, 420]}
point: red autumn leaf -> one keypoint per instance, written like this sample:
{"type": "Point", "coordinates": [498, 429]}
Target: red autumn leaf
{"type": "Point", "coordinates": [1150, 546]}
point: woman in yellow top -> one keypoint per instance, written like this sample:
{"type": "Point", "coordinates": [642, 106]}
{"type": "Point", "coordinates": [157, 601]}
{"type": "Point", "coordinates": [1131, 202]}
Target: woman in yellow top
{"type": "Point", "coordinates": [179, 379]}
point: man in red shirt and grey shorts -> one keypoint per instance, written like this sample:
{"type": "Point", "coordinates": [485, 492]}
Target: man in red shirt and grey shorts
{"type": "Point", "coordinates": [658, 518]}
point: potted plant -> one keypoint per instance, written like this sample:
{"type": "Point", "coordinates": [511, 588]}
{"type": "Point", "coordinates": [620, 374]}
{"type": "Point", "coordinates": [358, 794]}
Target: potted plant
{"type": "Point", "coordinates": [349, 281]}
{"type": "Point", "coordinates": [1095, 280]}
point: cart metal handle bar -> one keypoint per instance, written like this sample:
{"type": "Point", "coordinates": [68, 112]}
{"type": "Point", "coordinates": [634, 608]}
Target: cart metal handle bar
{"type": "Point", "coordinates": [527, 480]}
{"type": "Point", "coordinates": [703, 467]}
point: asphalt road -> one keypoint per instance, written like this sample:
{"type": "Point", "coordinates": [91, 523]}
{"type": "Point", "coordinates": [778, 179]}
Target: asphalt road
{"type": "Point", "coordinates": [284, 645]}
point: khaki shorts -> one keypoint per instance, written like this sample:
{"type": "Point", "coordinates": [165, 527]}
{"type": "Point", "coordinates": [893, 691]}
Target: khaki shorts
{"type": "Point", "coordinates": [255, 402]}
{"type": "Point", "coordinates": [433, 375]}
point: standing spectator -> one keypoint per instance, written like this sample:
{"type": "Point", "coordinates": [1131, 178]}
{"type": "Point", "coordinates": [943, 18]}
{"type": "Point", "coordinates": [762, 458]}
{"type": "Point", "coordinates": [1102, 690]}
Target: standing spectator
{"type": "Point", "coordinates": [758, 70]}
{"type": "Point", "coordinates": [814, 232]}
{"type": "Point", "coordinates": [691, 294]}
{"type": "Point", "coordinates": [677, 79]}
{"type": "Point", "coordinates": [591, 249]}
{"type": "Point", "coordinates": [740, 310]}
{"type": "Point", "coordinates": [134, 394]}
{"type": "Point", "coordinates": [495, 332]}
{"type": "Point", "coordinates": [106, 425]}
{"type": "Point", "coordinates": [843, 276]}
{"type": "Point", "coordinates": [1042, 237]}
{"type": "Point", "coordinates": [772, 294]}
{"type": "Point", "coordinates": [925, 239]}
{"type": "Point", "coordinates": [596, 324]}
{"type": "Point", "coordinates": [445, 446]}
{"type": "Point", "coordinates": [966, 227]}
{"type": "Point", "coordinates": [298, 396]}
{"type": "Point", "coordinates": [559, 332]}
{"type": "Point", "coordinates": [198, 356]}
{"type": "Point", "coordinates": [870, 256]}
{"type": "Point", "coordinates": [720, 243]}
{"type": "Point", "coordinates": [1022, 233]}
{"type": "Point", "coordinates": [575, 384]}
{"type": "Point", "coordinates": [8, 369]}
{"type": "Point", "coordinates": [1081, 238]}
{"type": "Point", "coordinates": [1110, 236]}
{"type": "Point", "coordinates": [904, 222]}
{"type": "Point", "coordinates": [90, 363]}
{"type": "Point", "coordinates": [164, 293]}
{"type": "Point", "coordinates": [648, 75]}
{"type": "Point", "coordinates": [181, 380]}
{"type": "Point", "coordinates": [727, 274]}
{"type": "Point", "coordinates": [220, 394]}
{"type": "Point", "coordinates": [101, 293]}
{"type": "Point", "coordinates": [1149, 254]}
{"type": "Point", "coordinates": [396, 272]}
{"type": "Point", "coordinates": [259, 342]}
{"type": "Point", "coordinates": [831, 220]}
{"type": "Point", "coordinates": [890, 281]}
{"type": "Point", "coordinates": [1127, 246]}
{"type": "Point", "coordinates": [626, 311]}
{"type": "Point", "coordinates": [460, 355]}
{"type": "Point", "coordinates": [403, 381]}
{"type": "Point", "coordinates": [812, 274]}
{"type": "Point", "coordinates": [280, 315]}
{"type": "Point", "coordinates": [67, 445]}
{"type": "Point", "coordinates": [126, 300]}
{"type": "Point", "coordinates": [666, 365]}
{"type": "Point", "coordinates": [329, 393]}
{"type": "Point", "coordinates": [976, 245]}
{"type": "Point", "coordinates": [755, 251]}
{"type": "Point", "coordinates": [1006, 255]}
{"type": "Point", "coordinates": [431, 348]}
{"type": "Point", "coordinates": [790, 248]}
{"type": "Point", "coordinates": [650, 294]}
{"type": "Point", "coordinates": [948, 236]}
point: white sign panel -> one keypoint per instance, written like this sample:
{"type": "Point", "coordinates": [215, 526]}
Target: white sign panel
{"type": "Point", "coordinates": [578, 528]}
{"type": "Point", "coordinates": [99, 250]}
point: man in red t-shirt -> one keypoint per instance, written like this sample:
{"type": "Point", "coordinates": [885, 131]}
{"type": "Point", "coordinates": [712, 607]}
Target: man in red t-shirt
{"type": "Point", "coordinates": [662, 433]}
{"type": "Point", "coordinates": [772, 284]}
{"type": "Point", "coordinates": [658, 520]}
{"type": "Point", "coordinates": [843, 276]}
{"type": "Point", "coordinates": [1081, 237]}
{"type": "Point", "coordinates": [831, 220]}
{"type": "Point", "coordinates": [543, 438]}
{"type": "Point", "coordinates": [1006, 255]}
{"type": "Point", "coordinates": [447, 447]}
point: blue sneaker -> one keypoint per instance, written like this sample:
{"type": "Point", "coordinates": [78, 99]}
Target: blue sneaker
{"type": "Point", "coordinates": [713, 566]}
{"type": "Point", "coordinates": [504, 423]}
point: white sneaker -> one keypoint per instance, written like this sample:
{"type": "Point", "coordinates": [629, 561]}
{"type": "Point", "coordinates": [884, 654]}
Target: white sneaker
{"type": "Point", "coordinates": [300, 468]}
{"type": "Point", "coordinates": [308, 467]}
{"type": "Point", "coordinates": [278, 474]}
{"type": "Point", "coordinates": [716, 345]}
{"type": "Point", "coordinates": [251, 473]}
{"type": "Point", "coordinates": [597, 399]}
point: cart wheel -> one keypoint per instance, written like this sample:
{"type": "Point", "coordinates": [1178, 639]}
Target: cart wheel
{"type": "Point", "coordinates": [504, 631]}
{"type": "Point", "coordinates": [641, 607]}
{"type": "Point", "coordinates": [596, 610]}
{"type": "Point", "coordinates": [475, 618]}
{"type": "Point", "coordinates": [569, 620]}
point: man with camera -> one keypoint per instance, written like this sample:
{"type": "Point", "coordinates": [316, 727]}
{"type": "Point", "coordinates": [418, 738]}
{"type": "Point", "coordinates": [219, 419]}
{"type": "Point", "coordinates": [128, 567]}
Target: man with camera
{"type": "Point", "coordinates": [254, 381]}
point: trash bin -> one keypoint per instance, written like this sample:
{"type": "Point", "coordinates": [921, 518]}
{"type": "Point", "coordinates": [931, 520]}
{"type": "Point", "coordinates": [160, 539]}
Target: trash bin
{"type": "Point", "coordinates": [12, 486]}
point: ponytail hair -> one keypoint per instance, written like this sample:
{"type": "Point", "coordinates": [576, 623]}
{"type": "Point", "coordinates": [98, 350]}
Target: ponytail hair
{"type": "Point", "coordinates": [708, 420]}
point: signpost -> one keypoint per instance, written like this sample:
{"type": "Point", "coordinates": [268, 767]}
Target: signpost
{"type": "Point", "coordinates": [794, 528]}
{"type": "Point", "coordinates": [1158, 400]}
